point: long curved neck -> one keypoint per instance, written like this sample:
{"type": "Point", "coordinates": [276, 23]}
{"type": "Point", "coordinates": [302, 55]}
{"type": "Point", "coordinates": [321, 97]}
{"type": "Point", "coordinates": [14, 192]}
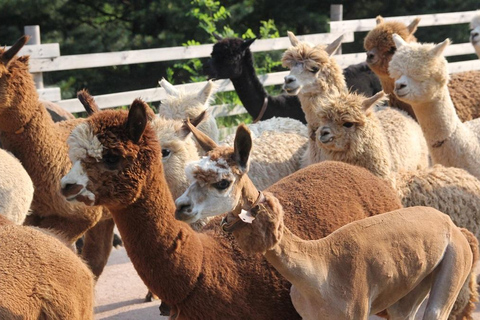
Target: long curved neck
{"type": "Point", "coordinates": [248, 87]}
{"type": "Point", "coordinates": [167, 254]}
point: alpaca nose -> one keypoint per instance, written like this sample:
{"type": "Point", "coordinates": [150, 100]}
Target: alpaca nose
{"type": "Point", "coordinates": [326, 135]}
{"type": "Point", "coordinates": [370, 56]}
{"type": "Point", "coordinates": [71, 189]}
{"type": "Point", "coordinates": [473, 35]}
{"type": "Point", "coordinates": [400, 86]}
{"type": "Point", "coordinates": [183, 211]}
{"type": "Point", "coordinates": [289, 79]}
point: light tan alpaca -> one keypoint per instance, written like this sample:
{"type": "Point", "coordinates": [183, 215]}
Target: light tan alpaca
{"type": "Point", "coordinates": [463, 86]}
{"type": "Point", "coordinates": [268, 235]}
{"type": "Point", "coordinates": [40, 277]}
{"type": "Point", "coordinates": [404, 138]}
{"type": "Point", "coordinates": [421, 77]}
{"type": "Point", "coordinates": [475, 33]}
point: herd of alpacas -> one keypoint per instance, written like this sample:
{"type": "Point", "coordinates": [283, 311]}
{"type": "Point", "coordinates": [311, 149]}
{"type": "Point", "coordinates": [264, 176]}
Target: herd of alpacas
{"type": "Point", "coordinates": [354, 193]}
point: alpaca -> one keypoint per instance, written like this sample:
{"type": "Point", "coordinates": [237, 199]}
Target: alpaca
{"type": "Point", "coordinates": [232, 59]}
{"type": "Point", "coordinates": [202, 275]}
{"type": "Point", "coordinates": [41, 277]}
{"type": "Point", "coordinates": [181, 105]}
{"type": "Point", "coordinates": [380, 48]}
{"type": "Point", "coordinates": [222, 175]}
{"type": "Point", "coordinates": [28, 132]}
{"type": "Point", "coordinates": [16, 188]}
{"type": "Point", "coordinates": [314, 74]}
{"type": "Point", "coordinates": [475, 33]}
{"type": "Point", "coordinates": [421, 76]}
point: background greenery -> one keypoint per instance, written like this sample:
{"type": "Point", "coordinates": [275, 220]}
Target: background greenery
{"type": "Point", "coordinates": [89, 26]}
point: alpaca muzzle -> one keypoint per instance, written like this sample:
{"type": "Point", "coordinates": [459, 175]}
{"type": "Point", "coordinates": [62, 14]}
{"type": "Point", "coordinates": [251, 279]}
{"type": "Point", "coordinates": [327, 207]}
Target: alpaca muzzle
{"type": "Point", "coordinates": [326, 135]}
{"type": "Point", "coordinates": [70, 191]}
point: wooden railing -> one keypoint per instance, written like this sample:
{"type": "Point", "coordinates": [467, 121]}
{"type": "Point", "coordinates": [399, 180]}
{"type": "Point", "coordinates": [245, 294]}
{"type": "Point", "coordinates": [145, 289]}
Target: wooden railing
{"type": "Point", "coordinates": [47, 58]}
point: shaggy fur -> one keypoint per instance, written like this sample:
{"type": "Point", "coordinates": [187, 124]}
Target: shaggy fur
{"type": "Point", "coordinates": [41, 278]}
{"type": "Point", "coordinates": [28, 132]}
{"type": "Point", "coordinates": [204, 275]}
{"type": "Point", "coordinates": [475, 33]}
{"type": "Point", "coordinates": [232, 59]}
{"type": "Point", "coordinates": [380, 49]}
{"type": "Point", "coordinates": [181, 105]}
{"type": "Point", "coordinates": [421, 77]}
{"type": "Point", "coordinates": [346, 128]}
{"type": "Point", "coordinates": [16, 188]}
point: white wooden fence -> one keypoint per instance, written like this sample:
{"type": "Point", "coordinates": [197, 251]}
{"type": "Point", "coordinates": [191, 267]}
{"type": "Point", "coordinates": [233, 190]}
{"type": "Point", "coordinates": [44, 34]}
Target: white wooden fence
{"type": "Point", "coordinates": [46, 58]}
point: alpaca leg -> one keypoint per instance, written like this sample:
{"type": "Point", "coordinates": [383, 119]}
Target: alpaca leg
{"type": "Point", "coordinates": [98, 245]}
{"type": "Point", "coordinates": [450, 277]}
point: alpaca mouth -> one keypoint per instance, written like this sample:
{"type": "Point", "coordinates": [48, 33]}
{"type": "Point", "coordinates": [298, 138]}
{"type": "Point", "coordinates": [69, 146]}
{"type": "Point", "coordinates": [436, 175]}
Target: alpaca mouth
{"type": "Point", "coordinates": [291, 91]}
{"type": "Point", "coordinates": [401, 94]}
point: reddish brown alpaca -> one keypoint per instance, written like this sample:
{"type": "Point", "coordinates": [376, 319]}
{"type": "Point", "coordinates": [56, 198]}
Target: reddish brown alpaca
{"type": "Point", "coordinates": [463, 86]}
{"type": "Point", "coordinates": [117, 163]}
{"type": "Point", "coordinates": [27, 130]}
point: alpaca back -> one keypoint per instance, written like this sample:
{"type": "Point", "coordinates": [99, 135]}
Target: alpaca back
{"type": "Point", "coordinates": [16, 188]}
{"type": "Point", "coordinates": [42, 278]}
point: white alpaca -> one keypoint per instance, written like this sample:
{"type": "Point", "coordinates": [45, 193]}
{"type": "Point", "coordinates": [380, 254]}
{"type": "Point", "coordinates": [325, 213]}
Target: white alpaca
{"type": "Point", "coordinates": [16, 188]}
{"type": "Point", "coordinates": [314, 73]}
{"type": "Point", "coordinates": [475, 33]}
{"type": "Point", "coordinates": [421, 77]}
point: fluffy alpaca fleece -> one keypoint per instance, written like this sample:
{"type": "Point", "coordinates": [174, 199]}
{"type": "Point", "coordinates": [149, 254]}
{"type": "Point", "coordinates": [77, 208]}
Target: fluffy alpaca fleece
{"type": "Point", "coordinates": [28, 132]}
{"type": "Point", "coordinates": [16, 188]}
{"type": "Point", "coordinates": [346, 128]}
{"type": "Point", "coordinates": [421, 77]}
{"type": "Point", "coordinates": [41, 278]}
{"type": "Point", "coordinates": [180, 105]}
{"type": "Point", "coordinates": [203, 275]}
{"type": "Point", "coordinates": [475, 33]}
{"type": "Point", "coordinates": [380, 49]}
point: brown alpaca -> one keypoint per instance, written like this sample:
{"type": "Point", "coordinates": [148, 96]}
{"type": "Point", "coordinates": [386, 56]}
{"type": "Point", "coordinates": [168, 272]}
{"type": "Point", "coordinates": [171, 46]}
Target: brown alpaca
{"type": "Point", "coordinates": [40, 277]}
{"type": "Point", "coordinates": [463, 86]}
{"type": "Point", "coordinates": [117, 163]}
{"type": "Point", "coordinates": [27, 131]}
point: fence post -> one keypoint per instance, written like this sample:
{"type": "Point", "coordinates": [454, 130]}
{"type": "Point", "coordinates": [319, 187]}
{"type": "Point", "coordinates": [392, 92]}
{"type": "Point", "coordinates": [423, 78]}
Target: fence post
{"type": "Point", "coordinates": [336, 14]}
{"type": "Point", "coordinates": [34, 33]}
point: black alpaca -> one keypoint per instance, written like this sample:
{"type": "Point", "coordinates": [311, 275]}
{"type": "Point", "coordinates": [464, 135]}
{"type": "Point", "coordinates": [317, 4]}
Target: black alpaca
{"type": "Point", "coordinates": [232, 59]}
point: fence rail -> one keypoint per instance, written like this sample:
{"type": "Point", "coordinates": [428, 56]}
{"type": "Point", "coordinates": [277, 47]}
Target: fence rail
{"type": "Point", "coordinates": [47, 58]}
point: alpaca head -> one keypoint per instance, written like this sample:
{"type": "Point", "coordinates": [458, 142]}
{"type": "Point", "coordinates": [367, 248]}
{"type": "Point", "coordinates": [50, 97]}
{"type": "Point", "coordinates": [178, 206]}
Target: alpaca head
{"type": "Point", "coordinates": [342, 121]}
{"type": "Point", "coordinates": [311, 67]}
{"type": "Point", "coordinates": [227, 60]}
{"type": "Point", "coordinates": [266, 230]}
{"type": "Point", "coordinates": [217, 179]}
{"type": "Point", "coordinates": [475, 33]}
{"type": "Point", "coordinates": [113, 153]}
{"type": "Point", "coordinates": [380, 46]}
{"type": "Point", "coordinates": [16, 83]}
{"type": "Point", "coordinates": [420, 70]}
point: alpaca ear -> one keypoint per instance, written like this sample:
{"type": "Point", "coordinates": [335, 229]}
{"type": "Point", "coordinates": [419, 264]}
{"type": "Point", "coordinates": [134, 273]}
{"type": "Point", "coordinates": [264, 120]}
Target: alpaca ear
{"type": "Point", "coordinates": [379, 19]}
{"type": "Point", "coordinates": [439, 48]}
{"type": "Point", "coordinates": [171, 90]}
{"type": "Point", "coordinates": [333, 47]}
{"type": "Point", "coordinates": [217, 36]}
{"type": "Point", "coordinates": [185, 130]}
{"type": "Point", "coordinates": [293, 40]}
{"type": "Point", "coordinates": [399, 42]}
{"type": "Point", "coordinates": [412, 27]}
{"type": "Point", "coordinates": [137, 120]}
{"type": "Point", "coordinates": [88, 102]}
{"type": "Point", "coordinates": [10, 53]}
{"type": "Point", "coordinates": [370, 102]}
{"type": "Point", "coordinates": [246, 44]}
{"type": "Point", "coordinates": [242, 147]}
{"type": "Point", "coordinates": [203, 140]}
{"type": "Point", "coordinates": [206, 92]}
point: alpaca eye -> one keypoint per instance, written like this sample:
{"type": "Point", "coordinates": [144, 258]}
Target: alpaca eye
{"type": "Point", "coordinates": [314, 69]}
{"type": "Point", "coordinates": [222, 184]}
{"type": "Point", "coordinates": [111, 160]}
{"type": "Point", "coordinates": [348, 124]}
{"type": "Point", "coordinates": [165, 153]}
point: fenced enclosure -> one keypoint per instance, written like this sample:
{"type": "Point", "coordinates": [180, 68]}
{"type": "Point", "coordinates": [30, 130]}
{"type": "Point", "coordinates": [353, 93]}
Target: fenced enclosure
{"type": "Point", "coordinates": [47, 58]}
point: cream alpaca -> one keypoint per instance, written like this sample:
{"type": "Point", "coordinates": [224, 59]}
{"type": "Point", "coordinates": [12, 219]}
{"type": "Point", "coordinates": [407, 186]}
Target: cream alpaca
{"type": "Point", "coordinates": [475, 33]}
{"type": "Point", "coordinates": [421, 77]}
{"type": "Point", "coordinates": [40, 277]}
{"type": "Point", "coordinates": [404, 138]}
{"type": "Point", "coordinates": [226, 170]}
{"type": "Point", "coordinates": [16, 188]}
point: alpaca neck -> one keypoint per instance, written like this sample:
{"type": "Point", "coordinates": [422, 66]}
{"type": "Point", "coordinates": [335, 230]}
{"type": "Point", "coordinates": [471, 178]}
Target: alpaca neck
{"type": "Point", "coordinates": [249, 88]}
{"type": "Point", "coordinates": [167, 254]}
{"type": "Point", "coordinates": [437, 117]}
{"type": "Point", "coordinates": [302, 263]}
